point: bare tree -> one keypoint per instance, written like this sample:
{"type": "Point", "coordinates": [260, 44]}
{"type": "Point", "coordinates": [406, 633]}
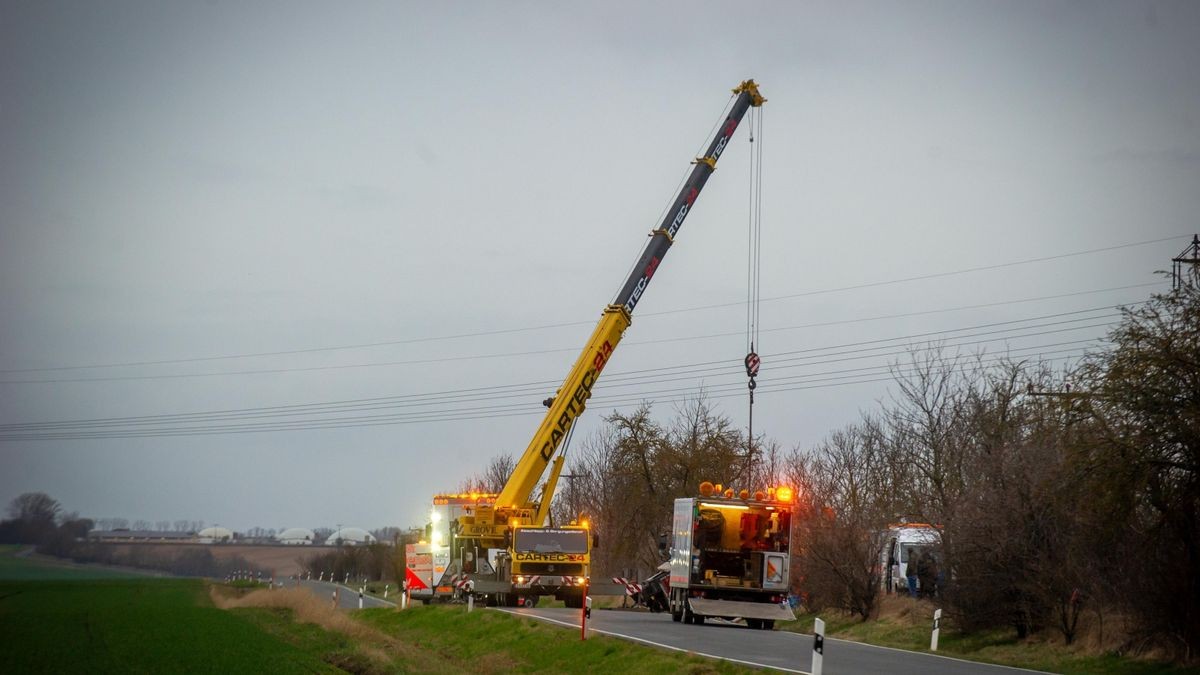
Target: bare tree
{"type": "Point", "coordinates": [493, 477]}
{"type": "Point", "coordinates": [34, 507]}
{"type": "Point", "coordinates": [847, 503]}
{"type": "Point", "coordinates": [629, 473]}
{"type": "Point", "coordinates": [1142, 397]}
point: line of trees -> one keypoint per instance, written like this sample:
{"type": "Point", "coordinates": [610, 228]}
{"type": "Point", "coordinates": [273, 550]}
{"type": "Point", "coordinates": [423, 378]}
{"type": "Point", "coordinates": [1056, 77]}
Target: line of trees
{"type": "Point", "coordinates": [37, 519]}
{"type": "Point", "coordinates": [1061, 496]}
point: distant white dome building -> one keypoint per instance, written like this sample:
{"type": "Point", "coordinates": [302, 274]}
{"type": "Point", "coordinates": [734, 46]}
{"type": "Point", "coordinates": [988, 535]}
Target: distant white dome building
{"type": "Point", "coordinates": [350, 536]}
{"type": "Point", "coordinates": [214, 535]}
{"type": "Point", "coordinates": [297, 536]}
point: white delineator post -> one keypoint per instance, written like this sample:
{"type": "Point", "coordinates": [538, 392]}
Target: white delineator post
{"type": "Point", "coordinates": [470, 602]}
{"type": "Point", "coordinates": [584, 611]}
{"type": "Point", "coordinates": [334, 596]}
{"type": "Point", "coordinates": [360, 597]}
{"type": "Point", "coordinates": [937, 628]}
{"type": "Point", "coordinates": [818, 646]}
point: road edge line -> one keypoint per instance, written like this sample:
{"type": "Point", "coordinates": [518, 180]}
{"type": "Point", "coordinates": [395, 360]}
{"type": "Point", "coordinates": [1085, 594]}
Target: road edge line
{"type": "Point", "coordinates": [937, 656]}
{"type": "Point", "coordinates": [632, 638]}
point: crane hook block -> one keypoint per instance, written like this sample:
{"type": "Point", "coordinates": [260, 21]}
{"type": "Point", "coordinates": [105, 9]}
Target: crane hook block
{"type": "Point", "coordinates": [752, 364]}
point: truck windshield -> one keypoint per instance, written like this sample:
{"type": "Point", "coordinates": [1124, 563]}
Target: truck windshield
{"type": "Point", "coordinates": [551, 541]}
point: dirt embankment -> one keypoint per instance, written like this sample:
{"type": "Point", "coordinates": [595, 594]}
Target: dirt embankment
{"type": "Point", "coordinates": [282, 560]}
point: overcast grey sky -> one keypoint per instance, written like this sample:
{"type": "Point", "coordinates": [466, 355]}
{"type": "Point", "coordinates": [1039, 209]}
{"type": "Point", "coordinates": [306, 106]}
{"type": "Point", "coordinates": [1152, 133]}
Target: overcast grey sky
{"type": "Point", "coordinates": [187, 181]}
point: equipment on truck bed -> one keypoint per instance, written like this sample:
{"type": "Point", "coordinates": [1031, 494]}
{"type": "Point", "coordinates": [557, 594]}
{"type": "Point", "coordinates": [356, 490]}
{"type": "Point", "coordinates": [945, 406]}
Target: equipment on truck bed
{"type": "Point", "coordinates": [729, 556]}
{"type": "Point", "coordinates": [530, 559]}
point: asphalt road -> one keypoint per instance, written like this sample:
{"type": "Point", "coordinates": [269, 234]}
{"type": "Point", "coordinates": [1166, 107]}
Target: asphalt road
{"type": "Point", "coordinates": [791, 652]}
{"type": "Point", "coordinates": [347, 595]}
{"type": "Point", "coordinates": [786, 651]}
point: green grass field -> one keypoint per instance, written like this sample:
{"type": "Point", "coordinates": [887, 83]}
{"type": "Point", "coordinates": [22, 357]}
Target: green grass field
{"type": "Point", "coordinates": [137, 626]}
{"type": "Point", "coordinates": [58, 618]}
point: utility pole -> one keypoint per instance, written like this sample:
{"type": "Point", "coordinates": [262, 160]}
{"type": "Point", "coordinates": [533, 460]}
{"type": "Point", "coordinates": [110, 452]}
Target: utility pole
{"type": "Point", "coordinates": [1189, 256]}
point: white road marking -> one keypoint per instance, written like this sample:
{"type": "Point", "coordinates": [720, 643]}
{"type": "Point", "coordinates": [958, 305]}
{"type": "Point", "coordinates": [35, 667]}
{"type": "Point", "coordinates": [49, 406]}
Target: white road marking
{"type": "Point", "coordinates": [936, 656]}
{"type": "Point", "coordinates": [651, 642]}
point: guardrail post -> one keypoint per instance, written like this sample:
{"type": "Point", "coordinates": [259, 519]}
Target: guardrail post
{"type": "Point", "coordinates": [937, 628]}
{"type": "Point", "coordinates": [818, 655]}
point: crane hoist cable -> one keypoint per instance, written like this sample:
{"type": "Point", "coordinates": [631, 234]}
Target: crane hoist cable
{"type": "Point", "coordinates": [753, 272]}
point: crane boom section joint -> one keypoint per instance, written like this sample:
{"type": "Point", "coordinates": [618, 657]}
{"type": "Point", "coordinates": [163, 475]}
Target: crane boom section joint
{"type": "Point", "coordinates": [568, 404]}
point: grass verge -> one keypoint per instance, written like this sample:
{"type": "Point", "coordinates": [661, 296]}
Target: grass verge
{"type": "Point", "coordinates": [440, 639]}
{"type": "Point", "coordinates": [494, 642]}
{"type": "Point", "coordinates": [907, 624]}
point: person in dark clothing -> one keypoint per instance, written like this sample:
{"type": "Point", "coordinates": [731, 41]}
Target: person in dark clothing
{"type": "Point", "coordinates": [910, 573]}
{"type": "Point", "coordinates": [927, 574]}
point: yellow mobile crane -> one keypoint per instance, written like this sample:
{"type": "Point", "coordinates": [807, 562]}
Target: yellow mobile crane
{"type": "Point", "coordinates": [537, 560]}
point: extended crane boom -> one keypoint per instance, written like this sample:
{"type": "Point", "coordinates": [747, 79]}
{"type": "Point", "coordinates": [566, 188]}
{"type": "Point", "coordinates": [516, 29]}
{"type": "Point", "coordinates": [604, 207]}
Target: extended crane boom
{"type": "Point", "coordinates": [543, 561]}
{"type": "Point", "coordinates": [576, 389]}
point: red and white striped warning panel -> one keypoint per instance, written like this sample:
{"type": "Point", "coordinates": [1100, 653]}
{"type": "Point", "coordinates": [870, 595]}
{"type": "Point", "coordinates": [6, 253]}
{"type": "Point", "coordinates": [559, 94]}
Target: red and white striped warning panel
{"type": "Point", "coordinates": [460, 583]}
{"type": "Point", "coordinates": [631, 587]}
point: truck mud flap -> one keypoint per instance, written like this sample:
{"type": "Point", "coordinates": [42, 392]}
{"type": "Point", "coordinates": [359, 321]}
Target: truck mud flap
{"type": "Point", "coordinates": [740, 609]}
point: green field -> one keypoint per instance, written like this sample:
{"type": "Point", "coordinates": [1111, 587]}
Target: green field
{"type": "Point", "coordinates": [135, 626]}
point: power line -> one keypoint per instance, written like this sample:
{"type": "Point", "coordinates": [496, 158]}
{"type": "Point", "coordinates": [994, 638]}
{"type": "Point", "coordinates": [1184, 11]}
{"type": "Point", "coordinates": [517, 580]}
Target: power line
{"type": "Point", "coordinates": [492, 412]}
{"type": "Point", "coordinates": [658, 372]}
{"type": "Point", "coordinates": [21, 430]}
{"type": "Point", "coordinates": [323, 409]}
{"type": "Point", "coordinates": [578, 323]}
{"type": "Point", "coordinates": [506, 355]}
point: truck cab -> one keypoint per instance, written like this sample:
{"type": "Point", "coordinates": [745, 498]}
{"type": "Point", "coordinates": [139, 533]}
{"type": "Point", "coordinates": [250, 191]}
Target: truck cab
{"type": "Point", "coordinates": [551, 561]}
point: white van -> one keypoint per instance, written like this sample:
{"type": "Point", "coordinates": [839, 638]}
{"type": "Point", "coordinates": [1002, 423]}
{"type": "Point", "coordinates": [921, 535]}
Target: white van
{"type": "Point", "coordinates": [902, 542]}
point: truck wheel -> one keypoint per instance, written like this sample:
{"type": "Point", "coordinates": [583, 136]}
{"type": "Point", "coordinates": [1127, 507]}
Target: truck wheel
{"type": "Point", "coordinates": [698, 619]}
{"type": "Point", "coordinates": [531, 601]}
{"type": "Point", "coordinates": [688, 617]}
{"type": "Point", "coordinates": [754, 624]}
{"type": "Point", "coordinates": [768, 624]}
